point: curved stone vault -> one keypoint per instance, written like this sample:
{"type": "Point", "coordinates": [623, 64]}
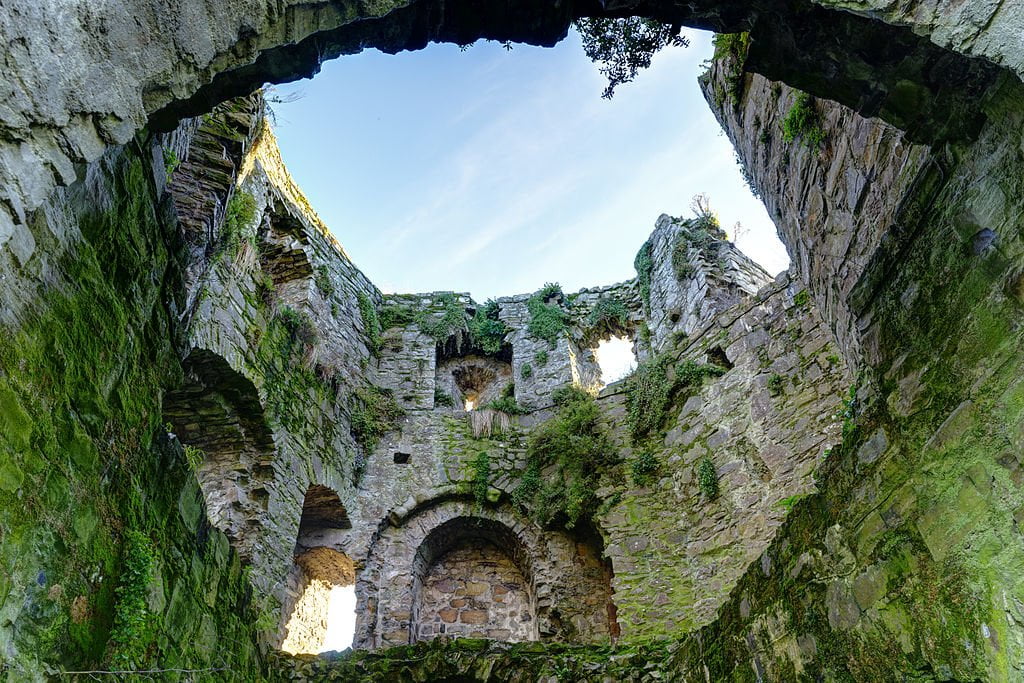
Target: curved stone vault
{"type": "Point", "coordinates": [120, 66]}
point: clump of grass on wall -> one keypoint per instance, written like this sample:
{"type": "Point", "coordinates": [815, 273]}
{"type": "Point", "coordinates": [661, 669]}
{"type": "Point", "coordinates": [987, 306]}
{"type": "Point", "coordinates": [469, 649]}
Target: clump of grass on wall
{"type": "Point", "coordinates": [707, 478]}
{"type": "Point", "coordinates": [803, 123]}
{"type": "Point", "coordinates": [373, 413]}
{"type": "Point", "coordinates": [548, 321]}
{"type": "Point", "coordinates": [322, 279]}
{"type": "Point", "coordinates": [486, 331]}
{"type": "Point", "coordinates": [241, 212]}
{"type": "Point", "coordinates": [655, 386]}
{"type": "Point", "coordinates": [609, 313]}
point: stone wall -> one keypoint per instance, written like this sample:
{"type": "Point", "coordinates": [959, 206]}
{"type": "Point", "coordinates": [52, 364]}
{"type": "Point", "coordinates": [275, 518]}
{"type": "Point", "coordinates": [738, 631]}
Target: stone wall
{"type": "Point", "coordinates": [717, 277]}
{"type": "Point", "coordinates": [108, 558]}
{"type": "Point", "coordinates": [475, 591]}
{"type": "Point", "coordinates": [307, 614]}
{"type": "Point", "coordinates": [907, 561]}
{"type": "Point", "coordinates": [892, 547]}
{"type": "Point", "coordinates": [836, 209]}
{"type": "Point", "coordinates": [766, 425]}
{"type": "Point", "coordinates": [275, 307]}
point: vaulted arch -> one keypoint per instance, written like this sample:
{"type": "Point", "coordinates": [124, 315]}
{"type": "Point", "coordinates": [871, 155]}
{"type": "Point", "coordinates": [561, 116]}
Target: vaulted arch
{"type": "Point", "coordinates": [562, 587]}
{"type": "Point", "coordinates": [218, 417]}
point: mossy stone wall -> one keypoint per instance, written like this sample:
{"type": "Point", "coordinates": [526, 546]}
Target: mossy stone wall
{"type": "Point", "coordinates": [106, 557]}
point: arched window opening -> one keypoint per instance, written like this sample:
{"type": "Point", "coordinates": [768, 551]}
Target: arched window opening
{"type": "Point", "coordinates": [472, 580]}
{"type": "Point", "coordinates": [473, 381]}
{"type": "Point", "coordinates": [320, 604]}
{"type": "Point", "coordinates": [615, 357]}
{"type": "Point", "coordinates": [322, 585]}
{"type": "Point", "coordinates": [217, 416]}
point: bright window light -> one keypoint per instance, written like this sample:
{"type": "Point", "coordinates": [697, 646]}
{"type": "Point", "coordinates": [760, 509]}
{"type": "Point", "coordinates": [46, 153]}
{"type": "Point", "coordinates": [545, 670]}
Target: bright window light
{"type": "Point", "coordinates": [341, 618]}
{"type": "Point", "coordinates": [616, 359]}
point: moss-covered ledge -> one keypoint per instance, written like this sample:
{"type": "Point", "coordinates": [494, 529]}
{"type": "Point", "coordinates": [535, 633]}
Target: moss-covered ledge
{"type": "Point", "coordinates": [471, 659]}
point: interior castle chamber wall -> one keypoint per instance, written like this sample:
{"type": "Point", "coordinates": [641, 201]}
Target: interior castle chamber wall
{"type": "Point", "coordinates": [188, 354]}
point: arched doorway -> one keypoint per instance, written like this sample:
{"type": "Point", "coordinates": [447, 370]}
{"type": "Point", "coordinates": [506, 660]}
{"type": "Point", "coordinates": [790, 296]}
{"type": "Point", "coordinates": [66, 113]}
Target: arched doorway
{"type": "Point", "coordinates": [319, 611]}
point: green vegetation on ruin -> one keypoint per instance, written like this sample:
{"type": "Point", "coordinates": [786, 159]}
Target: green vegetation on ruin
{"type": "Point", "coordinates": [731, 51]}
{"type": "Point", "coordinates": [486, 331]}
{"type": "Point", "coordinates": [655, 386]}
{"type": "Point", "coordinates": [566, 456]}
{"type": "Point", "coordinates": [644, 265]}
{"type": "Point", "coordinates": [373, 412]}
{"type": "Point", "coordinates": [91, 487]}
{"type": "Point", "coordinates": [548, 320]}
{"type": "Point", "coordinates": [238, 218]}
{"type": "Point", "coordinates": [371, 323]}
{"type": "Point", "coordinates": [609, 314]}
{"type": "Point", "coordinates": [803, 123]}
{"type": "Point", "coordinates": [322, 279]}
{"type": "Point", "coordinates": [707, 478]}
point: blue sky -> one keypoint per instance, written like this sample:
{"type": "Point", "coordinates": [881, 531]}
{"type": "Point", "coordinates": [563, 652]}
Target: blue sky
{"type": "Point", "coordinates": [495, 171]}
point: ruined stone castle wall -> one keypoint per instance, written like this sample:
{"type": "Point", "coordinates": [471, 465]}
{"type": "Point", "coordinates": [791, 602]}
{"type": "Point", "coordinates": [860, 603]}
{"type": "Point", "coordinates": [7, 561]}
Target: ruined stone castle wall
{"type": "Point", "coordinates": [836, 211]}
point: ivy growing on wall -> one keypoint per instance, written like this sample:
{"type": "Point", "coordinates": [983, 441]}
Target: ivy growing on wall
{"type": "Point", "coordinates": [371, 323]}
{"type": "Point", "coordinates": [481, 477]}
{"type": "Point", "coordinates": [395, 315]}
{"type": "Point", "coordinates": [644, 265]}
{"type": "Point", "coordinates": [451, 321]}
{"type": "Point", "coordinates": [655, 386]}
{"type": "Point", "coordinates": [575, 448]}
{"type": "Point", "coordinates": [707, 478]}
{"type": "Point", "coordinates": [133, 622]}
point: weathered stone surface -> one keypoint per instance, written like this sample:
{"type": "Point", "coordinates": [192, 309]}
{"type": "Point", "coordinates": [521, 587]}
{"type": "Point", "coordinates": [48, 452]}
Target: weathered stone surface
{"type": "Point", "coordinates": [251, 340]}
{"type": "Point", "coordinates": [73, 90]}
{"type": "Point", "coordinates": [834, 208]}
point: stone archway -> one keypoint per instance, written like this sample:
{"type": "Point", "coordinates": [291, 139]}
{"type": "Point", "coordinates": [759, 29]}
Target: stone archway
{"type": "Point", "coordinates": [218, 417]}
{"type": "Point", "coordinates": [472, 577]}
{"type": "Point", "coordinates": [567, 586]}
{"type": "Point", "coordinates": [319, 570]}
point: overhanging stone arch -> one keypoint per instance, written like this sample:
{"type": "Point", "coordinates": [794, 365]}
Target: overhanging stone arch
{"type": "Point", "coordinates": [569, 585]}
{"type": "Point", "coordinates": [201, 53]}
